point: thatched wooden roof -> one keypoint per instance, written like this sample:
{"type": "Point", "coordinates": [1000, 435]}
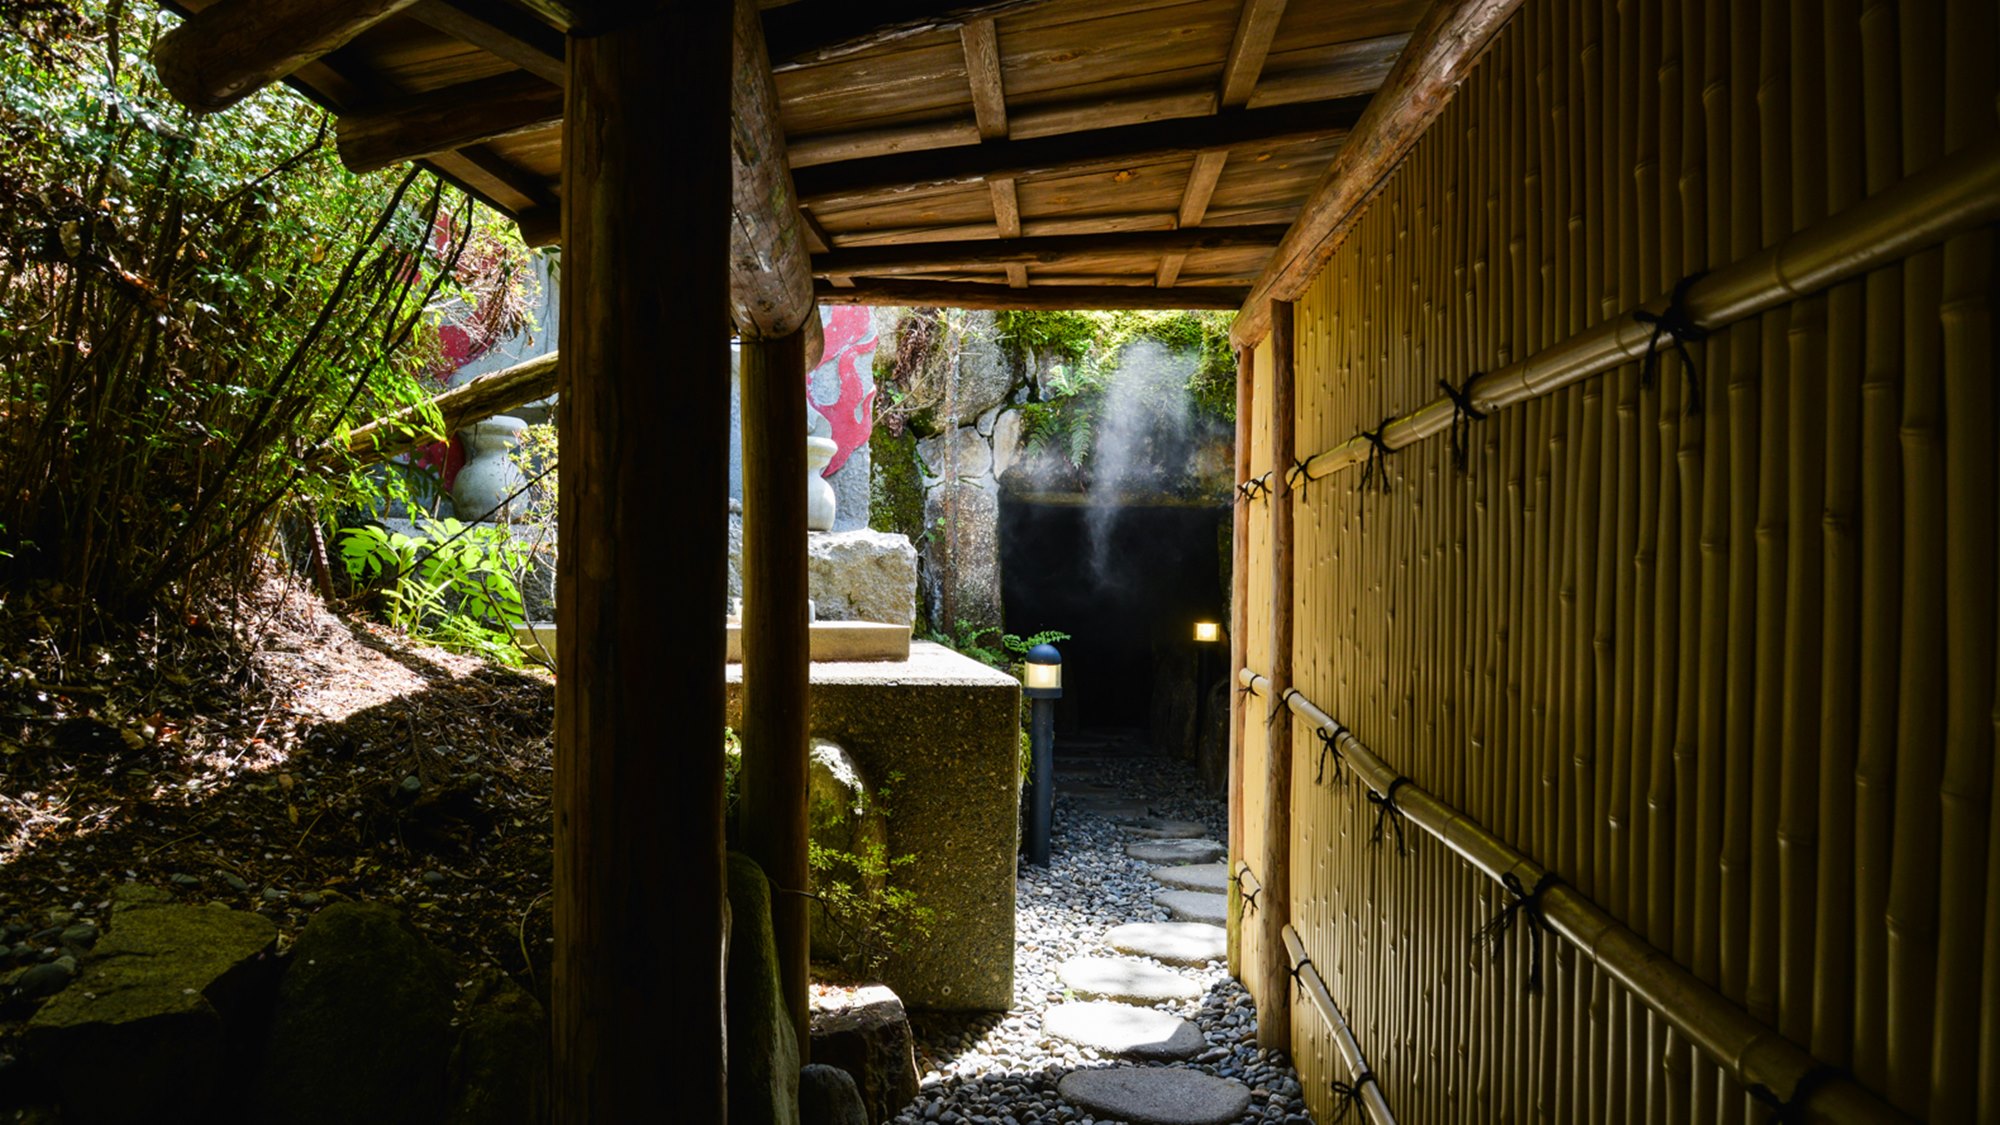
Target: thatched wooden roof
{"type": "Point", "coordinates": [1143, 144]}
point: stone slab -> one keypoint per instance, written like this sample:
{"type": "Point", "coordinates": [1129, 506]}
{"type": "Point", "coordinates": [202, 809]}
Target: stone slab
{"type": "Point", "coordinates": [1156, 1095]}
{"type": "Point", "coordinates": [1121, 1029]}
{"type": "Point", "coordinates": [862, 576]}
{"type": "Point", "coordinates": [1176, 851]}
{"type": "Point", "coordinates": [1126, 979]}
{"type": "Point", "coordinates": [1212, 877]}
{"type": "Point", "coordinates": [1111, 809]}
{"type": "Point", "coordinates": [1160, 828]}
{"type": "Point", "coordinates": [1176, 943]}
{"type": "Point", "coordinates": [951, 727]}
{"type": "Point", "coordinates": [1195, 906]}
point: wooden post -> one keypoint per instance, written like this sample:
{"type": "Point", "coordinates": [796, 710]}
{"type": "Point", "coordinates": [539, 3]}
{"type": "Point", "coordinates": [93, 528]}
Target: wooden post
{"type": "Point", "coordinates": [1274, 995]}
{"type": "Point", "coordinates": [640, 920]}
{"type": "Point", "coordinates": [1239, 636]}
{"type": "Point", "coordinates": [772, 804]}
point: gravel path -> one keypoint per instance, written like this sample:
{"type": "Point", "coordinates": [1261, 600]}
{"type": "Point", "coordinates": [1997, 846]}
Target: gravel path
{"type": "Point", "coordinates": [1002, 1069]}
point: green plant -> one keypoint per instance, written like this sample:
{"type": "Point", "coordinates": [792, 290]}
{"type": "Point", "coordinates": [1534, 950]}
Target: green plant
{"type": "Point", "coordinates": [871, 916]}
{"type": "Point", "coordinates": [1006, 649]}
{"type": "Point", "coordinates": [452, 585]}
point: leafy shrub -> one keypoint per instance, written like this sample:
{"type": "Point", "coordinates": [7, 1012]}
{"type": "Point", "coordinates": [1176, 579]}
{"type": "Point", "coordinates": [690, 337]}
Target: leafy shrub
{"type": "Point", "coordinates": [453, 585]}
{"type": "Point", "coordinates": [872, 917]}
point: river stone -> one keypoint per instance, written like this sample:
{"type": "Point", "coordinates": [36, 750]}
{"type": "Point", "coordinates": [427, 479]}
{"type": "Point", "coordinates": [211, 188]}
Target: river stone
{"type": "Point", "coordinates": [1157, 828]}
{"type": "Point", "coordinates": [1194, 877]}
{"type": "Point", "coordinates": [500, 1068]}
{"type": "Point", "coordinates": [862, 575]}
{"type": "Point", "coordinates": [1126, 979]}
{"type": "Point", "coordinates": [867, 1034]}
{"type": "Point", "coordinates": [1121, 1029]}
{"type": "Point", "coordinates": [1176, 943]}
{"type": "Point", "coordinates": [1195, 906]}
{"type": "Point", "coordinates": [149, 1031]}
{"type": "Point", "coordinates": [1176, 851]}
{"type": "Point", "coordinates": [1156, 1095]}
{"type": "Point", "coordinates": [841, 819]}
{"type": "Point", "coordinates": [763, 1049]}
{"type": "Point", "coordinates": [363, 1026]}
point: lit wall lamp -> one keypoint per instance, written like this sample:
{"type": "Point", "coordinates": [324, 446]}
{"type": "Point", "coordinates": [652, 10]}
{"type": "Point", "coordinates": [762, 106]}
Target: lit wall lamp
{"type": "Point", "coordinates": [1207, 632]}
{"type": "Point", "coordinates": [1041, 682]}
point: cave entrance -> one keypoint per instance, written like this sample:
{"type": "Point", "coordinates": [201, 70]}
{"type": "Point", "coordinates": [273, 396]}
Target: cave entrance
{"type": "Point", "coordinates": [1127, 581]}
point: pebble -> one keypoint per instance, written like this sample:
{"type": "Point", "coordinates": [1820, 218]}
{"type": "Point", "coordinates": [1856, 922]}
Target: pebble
{"type": "Point", "coordinates": [1002, 1069]}
{"type": "Point", "coordinates": [434, 878]}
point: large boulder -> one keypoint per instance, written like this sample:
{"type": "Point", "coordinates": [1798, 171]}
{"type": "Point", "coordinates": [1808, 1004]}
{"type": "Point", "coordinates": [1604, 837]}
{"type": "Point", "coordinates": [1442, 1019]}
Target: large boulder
{"type": "Point", "coordinates": [763, 1048]}
{"type": "Point", "coordinates": [958, 454]}
{"type": "Point", "coordinates": [867, 1034]}
{"type": "Point", "coordinates": [151, 1029]}
{"type": "Point", "coordinates": [963, 553]}
{"type": "Point", "coordinates": [828, 1096]}
{"type": "Point", "coordinates": [500, 1068]}
{"type": "Point", "coordinates": [862, 575]}
{"type": "Point", "coordinates": [363, 1026]}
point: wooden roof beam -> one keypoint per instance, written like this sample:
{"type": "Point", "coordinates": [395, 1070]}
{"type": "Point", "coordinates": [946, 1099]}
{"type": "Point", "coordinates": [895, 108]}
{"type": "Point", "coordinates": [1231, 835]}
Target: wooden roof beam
{"type": "Point", "coordinates": [443, 120]}
{"type": "Point", "coordinates": [816, 31]}
{"type": "Point", "coordinates": [500, 29]}
{"type": "Point", "coordinates": [231, 49]}
{"type": "Point", "coordinates": [982, 71]}
{"type": "Point", "coordinates": [857, 180]}
{"type": "Point", "coordinates": [925, 257]}
{"type": "Point", "coordinates": [972, 295]}
{"type": "Point", "coordinates": [770, 270]}
{"type": "Point", "coordinates": [1254, 30]}
{"type": "Point", "coordinates": [1441, 52]}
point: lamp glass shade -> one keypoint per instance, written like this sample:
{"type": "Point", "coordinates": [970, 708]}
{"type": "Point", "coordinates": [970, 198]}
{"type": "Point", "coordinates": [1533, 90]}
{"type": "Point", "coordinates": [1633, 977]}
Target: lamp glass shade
{"type": "Point", "coordinates": [1045, 677]}
{"type": "Point", "coordinates": [1207, 632]}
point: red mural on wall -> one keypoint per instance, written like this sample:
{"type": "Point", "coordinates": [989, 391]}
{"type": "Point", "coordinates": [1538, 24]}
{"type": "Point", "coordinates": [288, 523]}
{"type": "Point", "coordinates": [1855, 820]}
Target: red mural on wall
{"type": "Point", "coordinates": [850, 341]}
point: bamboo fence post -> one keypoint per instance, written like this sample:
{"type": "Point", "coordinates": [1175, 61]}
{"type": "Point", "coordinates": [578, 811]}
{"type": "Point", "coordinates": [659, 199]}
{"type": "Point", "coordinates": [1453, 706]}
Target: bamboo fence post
{"type": "Point", "coordinates": [1274, 1013]}
{"type": "Point", "coordinates": [1239, 637]}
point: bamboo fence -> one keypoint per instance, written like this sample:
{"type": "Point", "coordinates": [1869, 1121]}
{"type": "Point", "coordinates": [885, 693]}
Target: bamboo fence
{"type": "Point", "coordinates": [1712, 642]}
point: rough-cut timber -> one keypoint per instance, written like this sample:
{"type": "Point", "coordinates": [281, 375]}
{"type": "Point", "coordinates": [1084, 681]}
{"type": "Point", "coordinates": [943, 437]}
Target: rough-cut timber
{"type": "Point", "coordinates": [467, 114]}
{"type": "Point", "coordinates": [972, 295]}
{"type": "Point", "coordinates": [856, 180]}
{"type": "Point", "coordinates": [770, 290]}
{"type": "Point", "coordinates": [814, 31]}
{"type": "Point", "coordinates": [230, 50]}
{"type": "Point", "coordinates": [773, 783]}
{"type": "Point", "coordinates": [1439, 55]}
{"type": "Point", "coordinates": [1239, 636]}
{"type": "Point", "coordinates": [482, 396]}
{"type": "Point", "coordinates": [926, 257]}
{"type": "Point", "coordinates": [1274, 1022]}
{"type": "Point", "coordinates": [501, 28]}
{"type": "Point", "coordinates": [639, 922]}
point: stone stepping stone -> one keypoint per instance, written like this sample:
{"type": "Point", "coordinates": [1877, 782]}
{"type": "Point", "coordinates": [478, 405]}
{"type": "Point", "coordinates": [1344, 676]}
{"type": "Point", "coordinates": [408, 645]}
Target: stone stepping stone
{"type": "Point", "coordinates": [1195, 906]}
{"type": "Point", "coordinates": [1176, 943]}
{"type": "Point", "coordinates": [1158, 828]}
{"type": "Point", "coordinates": [1111, 809]}
{"type": "Point", "coordinates": [1150, 1095]}
{"type": "Point", "coordinates": [1176, 851]}
{"type": "Point", "coordinates": [1121, 1029]}
{"type": "Point", "coordinates": [1194, 877]}
{"type": "Point", "coordinates": [1126, 979]}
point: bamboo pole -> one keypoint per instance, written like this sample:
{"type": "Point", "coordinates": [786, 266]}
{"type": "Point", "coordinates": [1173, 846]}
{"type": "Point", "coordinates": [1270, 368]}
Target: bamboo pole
{"type": "Point", "coordinates": [1274, 1013]}
{"type": "Point", "coordinates": [1239, 635]}
{"type": "Point", "coordinates": [1749, 1051]}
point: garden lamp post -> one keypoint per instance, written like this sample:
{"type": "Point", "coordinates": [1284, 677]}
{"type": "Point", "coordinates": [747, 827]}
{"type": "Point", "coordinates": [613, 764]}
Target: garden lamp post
{"type": "Point", "coordinates": [1042, 683]}
{"type": "Point", "coordinates": [1206, 633]}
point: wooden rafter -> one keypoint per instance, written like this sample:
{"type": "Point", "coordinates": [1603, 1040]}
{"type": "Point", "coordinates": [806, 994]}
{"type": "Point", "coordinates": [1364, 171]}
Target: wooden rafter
{"type": "Point", "coordinates": [1170, 269]}
{"type": "Point", "coordinates": [1440, 54]}
{"type": "Point", "coordinates": [502, 29]}
{"type": "Point", "coordinates": [1006, 206]}
{"type": "Point", "coordinates": [1050, 250]}
{"type": "Point", "coordinates": [859, 179]}
{"type": "Point", "coordinates": [971, 295]}
{"type": "Point", "coordinates": [831, 148]}
{"type": "Point", "coordinates": [1017, 275]}
{"type": "Point", "coordinates": [1201, 185]}
{"type": "Point", "coordinates": [1254, 29]}
{"type": "Point", "coordinates": [982, 71]}
{"type": "Point", "coordinates": [770, 291]}
{"type": "Point", "coordinates": [467, 114]}
{"type": "Point", "coordinates": [231, 49]}
{"type": "Point", "coordinates": [816, 31]}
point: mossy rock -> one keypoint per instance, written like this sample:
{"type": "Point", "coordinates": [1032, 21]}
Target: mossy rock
{"type": "Point", "coordinates": [763, 1048]}
{"type": "Point", "coordinates": [363, 1026]}
{"type": "Point", "coordinates": [500, 1069]}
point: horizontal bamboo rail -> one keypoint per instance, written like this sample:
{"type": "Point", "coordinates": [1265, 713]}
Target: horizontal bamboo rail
{"type": "Point", "coordinates": [1960, 193]}
{"type": "Point", "coordinates": [1367, 1091]}
{"type": "Point", "coordinates": [1753, 1053]}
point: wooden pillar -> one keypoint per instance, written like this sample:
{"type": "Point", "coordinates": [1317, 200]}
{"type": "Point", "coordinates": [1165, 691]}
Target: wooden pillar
{"type": "Point", "coordinates": [1239, 636]}
{"type": "Point", "coordinates": [640, 920]}
{"type": "Point", "coordinates": [1274, 996]}
{"type": "Point", "coordinates": [773, 783]}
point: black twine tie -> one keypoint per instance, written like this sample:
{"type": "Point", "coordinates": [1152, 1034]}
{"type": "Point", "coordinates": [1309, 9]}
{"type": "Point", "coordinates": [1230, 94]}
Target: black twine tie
{"type": "Point", "coordinates": [1387, 810]}
{"type": "Point", "coordinates": [1678, 326]}
{"type": "Point", "coordinates": [1297, 476]}
{"type": "Point", "coordinates": [1284, 702]}
{"type": "Point", "coordinates": [1329, 747]}
{"type": "Point", "coordinates": [1298, 976]}
{"type": "Point", "coordinates": [1792, 1109]}
{"type": "Point", "coordinates": [1527, 904]}
{"type": "Point", "coordinates": [1375, 470]}
{"type": "Point", "coordinates": [1249, 897]}
{"type": "Point", "coordinates": [1463, 415]}
{"type": "Point", "coordinates": [1347, 1095]}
